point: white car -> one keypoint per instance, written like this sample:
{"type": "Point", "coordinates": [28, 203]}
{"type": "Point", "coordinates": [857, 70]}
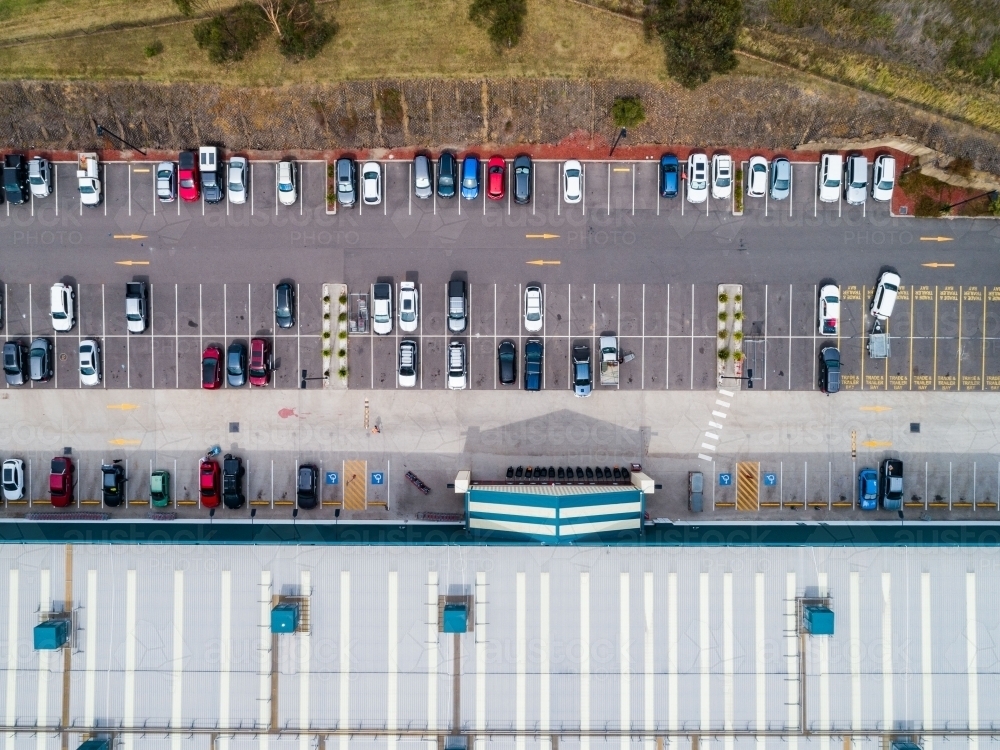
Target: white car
{"type": "Point", "coordinates": [722, 176]}
{"type": "Point", "coordinates": [829, 310]}
{"type": "Point", "coordinates": [382, 309]}
{"type": "Point", "coordinates": [407, 368]}
{"type": "Point", "coordinates": [697, 178]}
{"type": "Point", "coordinates": [572, 181]}
{"type": "Point", "coordinates": [757, 177]}
{"type": "Point", "coordinates": [13, 479]}
{"type": "Point", "coordinates": [409, 308]}
{"type": "Point", "coordinates": [371, 183]}
{"type": "Point", "coordinates": [286, 183]}
{"type": "Point", "coordinates": [40, 177]}
{"type": "Point", "coordinates": [884, 177]}
{"type": "Point", "coordinates": [831, 172]}
{"type": "Point", "coordinates": [856, 180]}
{"type": "Point", "coordinates": [533, 309]}
{"type": "Point", "coordinates": [456, 366]}
{"type": "Point", "coordinates": [885, 295]}
{"type": "Point", "coordinates": [61, 307]}
{"type": "Point", "coordinates": [90, 362]}
{"type": "Point", "coordinates": [237, 180]}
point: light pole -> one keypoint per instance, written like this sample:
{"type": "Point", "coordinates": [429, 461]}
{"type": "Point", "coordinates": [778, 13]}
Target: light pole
{"type": "Point", "coordinates": [103, 131]}
{"type": "Point", "coordinates": [621, 134]}
{"type": "Point", "coordinates": [748, 378]}
{"type": "Point", "coordinates": [302, 384]}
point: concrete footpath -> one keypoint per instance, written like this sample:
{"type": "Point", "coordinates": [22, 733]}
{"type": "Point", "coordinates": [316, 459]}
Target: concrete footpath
{"type": "Point", "coordinates": [949, 441]}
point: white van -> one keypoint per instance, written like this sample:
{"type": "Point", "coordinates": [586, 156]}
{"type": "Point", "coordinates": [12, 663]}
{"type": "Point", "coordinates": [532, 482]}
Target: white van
{"type": "Point", "coordinates": [831, 175]}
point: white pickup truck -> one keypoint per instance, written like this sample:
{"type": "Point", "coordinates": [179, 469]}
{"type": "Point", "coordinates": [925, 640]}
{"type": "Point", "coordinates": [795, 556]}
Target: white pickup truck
{"type": "Point", "coordinates": [89, 177]}
{"type": "Point", "coordinates": [609, 360]}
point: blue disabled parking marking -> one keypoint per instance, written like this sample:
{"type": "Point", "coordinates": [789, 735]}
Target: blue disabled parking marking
{"type": "Point", "coordinates": [770, 480]}
{"type": "Point", "coordinates": [725, 480]}
{"type": "Point", "coordinates": [378, 477]}
{"type": "Point", "coordinates": [332, 477]}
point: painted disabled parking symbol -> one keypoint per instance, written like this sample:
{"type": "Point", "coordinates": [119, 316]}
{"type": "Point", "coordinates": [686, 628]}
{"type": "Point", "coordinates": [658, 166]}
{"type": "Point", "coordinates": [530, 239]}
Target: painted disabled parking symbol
{"type": "Point", "coordinates": [332, 477]}
{"type": "Point", "coordinates": [725, 480]}
{"type": "Point", "coordinates": [378, 477]}
{"type": "Point", "coordinates": [770, 480]}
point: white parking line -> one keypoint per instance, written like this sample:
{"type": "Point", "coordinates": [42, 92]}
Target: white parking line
{"type": "Point", "coordinates": [225, 333]}
{"type": "Point", "coordinates": [765, 336]}
{"type": "Point", "coordinates": [642, 364]}
{"type": "Point", "coordinates": [298, 335]}
{"type": "Point", "coordinates": [509, 167]}
{"type": "Point", "coordinates": [609, 188]}
{"type": "Point", "coordinates": [815, 183]}
{"type": "Point", "coordinates": [495, 325]}
{"type": "Point", "coordinates": [483, 188]}
{"type": "Point", "coordinates": [420, 354]}
{"type": "Point", "coordinates": [791, 181]}
{"type": "Point", "coordinates": [691, 380]}
{"type": "Point", "coordinates": [634, 168]}
{"type": "Point", "coordinates": [56, 178]}
{"type": "Point", "coordinates": [583, 187]}
{"type": "Point", "coordinates": [177, 371]}
{"type": "Point", "coordinates": [668, 334]}
{"type": "Point", "coordinates": [129, 189]}
{"type": "Point", "coordinates": [533, 172]}
{"type": "Point", "coordinates": [789, 337]}
{"type": "Point", "coordinates": [252, 183]}
{"type": "Point", "coordinates": [409, 188]}
{"type": "Point", "coordinates": [155, 201]}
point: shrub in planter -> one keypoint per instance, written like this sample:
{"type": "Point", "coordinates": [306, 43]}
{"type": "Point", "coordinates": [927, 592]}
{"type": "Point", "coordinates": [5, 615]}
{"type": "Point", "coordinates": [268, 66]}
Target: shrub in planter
{"type": "Point", "coordinates": [327, 352]}
{"type": "Point", "coordinates": [342, 335]}
{"type": "Point", "coordinates": [724, 354]}
{"type": "Point", "coordinates": [738, 315]}
{"type": "Point", "coordinates": [737, 335]}
{"type": "Point", "coordinates": [738, 298]}
{"type": "Point", "coordinates": [723, 298]}
{"type": "Point", "coordinates": [342, 299]}
{"type": "Point", "coordinates": [326, 299]}
{"type": "Point", "coordinates": [738, 356]}
{"type": "Point", "coordinates": [326, 316]}
{"type": "Point", "coordinates": [326, 334]}
{"type": "Point", "coordinates": [723, 316]}
{"type": "Point", "coordinates": [342, 317]}
{"type": "Point", "coordinates": [343, 373]}
{"type": "Point", "coordinates": [723, 333]}
{"type": "Point", "coordinates": [342, 353]}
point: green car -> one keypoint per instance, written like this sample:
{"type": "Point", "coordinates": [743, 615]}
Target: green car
{"type": "Point", "coordinates": [159, 488]}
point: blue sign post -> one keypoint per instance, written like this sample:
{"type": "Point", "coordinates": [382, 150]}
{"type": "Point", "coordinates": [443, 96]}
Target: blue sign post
{"type": "Point", "coordinates": [332, 477]}
{"type": "Point", "coordinates": [770, 480]}
{"type": "Point", "coordinates": [725, 480]}
{"type": "Point", "coordinates": [378, 477]}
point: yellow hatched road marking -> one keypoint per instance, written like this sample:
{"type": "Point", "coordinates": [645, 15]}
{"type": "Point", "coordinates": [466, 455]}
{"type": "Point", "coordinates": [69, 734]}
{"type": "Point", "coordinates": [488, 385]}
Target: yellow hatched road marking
{"type": "Point", "coordinates": [748, 485]}
{"type": "Point", "coordinates": [355, 485]}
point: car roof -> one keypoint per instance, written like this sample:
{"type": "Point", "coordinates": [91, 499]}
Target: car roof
{"type": "Point", "coordinates": [668, 159]}
{"type": "Point", "coordinates": [523, 160]}
{"type": "Point", "coordinates": [833, 158]}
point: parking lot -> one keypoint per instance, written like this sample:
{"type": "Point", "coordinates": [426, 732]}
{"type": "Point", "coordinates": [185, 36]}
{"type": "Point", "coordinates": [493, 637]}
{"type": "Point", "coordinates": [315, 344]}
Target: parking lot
{"type": "Point", "coordinates": [184, 319]}
{"type": "Point", "coordinates": [943, 337]}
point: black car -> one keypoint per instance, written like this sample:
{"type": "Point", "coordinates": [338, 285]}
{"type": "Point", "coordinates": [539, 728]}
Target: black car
{"type": "Point", "coordinates": [458, 315]}
{"type": "Point", "coordinates": [15, 178]}
{"type": "Point", "coordinates": [533, 365]}
{"type": "Point", "coordinates": [232, 481]}
{"type": "Point", "coordinates": [284, 305]}
{"type": "Point", "coordinates": [507, 362]}
{"type": "Point", "coordinates": [13, 362]}
{"type": "Point", "coordinates": [236, 365]}
{"type": "Point", "coordinates": [829, 369]}
{"type": "Point", "coordinates": [447, 175]}
{"type": "Point", "coordinates": [211, 185]}
{"type": "Point", "coordinates": [890, 484]}
{"type": "Point", "coordinates": [307, 486]}
{"type": "Point", "coordinates": [522, 179]}
{"type": "Point", "coordinates": [113, 484]}
{"type": "Point", "coordinates": [583, 379]}
{"type": "Point", "coordinates": [40, 360]}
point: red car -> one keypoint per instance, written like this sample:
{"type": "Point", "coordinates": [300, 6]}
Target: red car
{"type": "Point", "coordinates": [494, 178]}
{"type": "Point", "coordinates": [188, 176]}
{"type": "Point", "coordinates": [61, 481]}
{"type": "Point", "coordinates": [211, 368]}
{"type": "Point", "coordinates": [208, 483]}
{"type": "Point", "coordinates": [260, 362]}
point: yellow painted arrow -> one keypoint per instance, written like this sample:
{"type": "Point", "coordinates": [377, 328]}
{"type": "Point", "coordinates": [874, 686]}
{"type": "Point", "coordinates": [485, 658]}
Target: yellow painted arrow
{"type": "Point", "coordinates": [141, 171]}
{"type": "Point", "coordinates": [131, 262]}
{"type": "Point", "coordinates": [124, 441]}
{"type": "Point", "coordinates": [123, 407]}
{"type": "Point", "coordinates": [130, 236]}
{"type": "Point", "coordinates": [936, 239]}
{"type": "Point", "coordinates": [876, 408]}
{"type": "Point", "coordinates": [877, 443]}
{"type": "Point", "coordinates": [541, 236]}
{"type": "Point", "coordinates": [544, 262]}
{"type": "Point", "coordinates": [938, 265]}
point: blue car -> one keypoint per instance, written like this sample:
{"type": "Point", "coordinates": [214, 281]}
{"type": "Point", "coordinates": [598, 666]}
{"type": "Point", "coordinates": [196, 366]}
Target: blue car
{"type": "Point", "coordinates": [868, 489]}
{"type": "Point", "coordinates": [470, 178]}
{"type": "Point", "coordinates": [670, 176]}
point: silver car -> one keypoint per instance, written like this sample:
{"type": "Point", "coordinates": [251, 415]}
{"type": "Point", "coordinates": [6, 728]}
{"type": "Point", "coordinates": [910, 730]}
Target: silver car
{"type": "Point", "coordinates": [781, 179]}
{"type": "Point", "coordinates": [90, 362]}
{"type": "Point", "coordinates": [422, 177]}
{"type": "Point", "coordinates": [166, 181]}
{"type": "Point", "coordinates": [237, 178]}
{"type": "Point", "coordinates": [884, 177]}
{"type": "Point", "coordinates": [856, 180]}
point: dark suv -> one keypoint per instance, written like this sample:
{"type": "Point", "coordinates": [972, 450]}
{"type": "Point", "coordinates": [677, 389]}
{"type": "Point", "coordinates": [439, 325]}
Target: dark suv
{"type": "Point", "coordinates": [15, 178]}
{"type": "Point", "coordinates": [447, 175]}
{"type": "Point", "coordinates": [829, 369]}
{"type": "Point", "coordinates": [507, 362]}
{"type": "Point", "coordinates": [13, 362]}
{"type": "Point", "coordinates": [232, 481]}
{"type": "Point", "coordinates": [284, 305]}
{"type": "Point", "coordinates": [113, 484]}
{"type": "Point", "coordinates": [306, 486]}
{"type": "Point", "coordinates": [533, 365]}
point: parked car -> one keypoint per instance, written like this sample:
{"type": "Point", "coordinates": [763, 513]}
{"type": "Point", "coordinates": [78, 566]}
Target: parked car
{"type": "Point", "coordinates": [456, 366]}
{"type": "Point", "coordinates": [61, 298]}
{"type": "Point", "coordinates": [90, 362]}
{"type": "Point", "coordinates": [260, 362]}
{"type": "Point", "coordinates": [286, 180]}
{"type": "Point", "coordinates": [697, 178]}
{"type": "Point", "coordinates": [495, 177]}
{"type": "Point", "coordinates": [15, 179]}
{"type": "Point", "coordinates": [232, 482]}
{"type": "Point", "coordinates": [238, 173]}
{"type": "Point", "coordinates": [533, 309]}
{"type": "Point", "coordinates": [829, 369]}
{"type": "Point", "coordinates": [756, 177]}
{"type": "Point", "coordinates": [307, 486]}
{"type": "Point", "coordinates": [583, 376]}
{"type": "Point", "coordinates": [166, 182]}
{"type": "Point", "coordinates": [831, 171]}
{"type": "Point", "coordinates": [572, 181]}
{"type": "Point", "coordinates": [447, 175]}
{"type": "Point", "coordinates": [457, 312]}
{"type": "Point", "coordinates": [208, 483]}
{"type": "Point", "coordinates": [346, 180]}
{"type": "Point", "coordinates": [187, 176]}
{"type": "Point", "coordinates": [884, 298]}
{"type": "Point", "coordinates": [409, 308]}
{"type": "Point", "coordinates": [696, 490]}
{"type": "Point", "coordinates": [533, 365]}
{"type": "Point", "coordinates": [236, 365]}
{"type": "Point", "coordinates": [211, 185]}
{"type": "Point", "coordinates": [856, 180]}
{"type": "Point", "coordinates": [507, 362]}
{"type": "Point", "coordinates": [829, 310]}
{"type": "Point", "coordinates": [470, 178]}
{"type": "Point", "coordinates": [891, 484]}
{"type": "Point", "coordinates": [40, 177]}
{"type": "Point", "coordinates": [883, 177]}
{"type": "Point", "coordinates": [284, 305]}
{"type": "Point", "coordinates": [40, 360]}
{"type": "Point", "coordinates": [371, 183]}
{"type": "Point", "coordinates": [61, 481]}
{"type": "Point", "coordinates": [407, 369]}
{"type": "Point", "coordinates": [422, 186]}
{"type": "Point", "coordinates": [781, 178]}
{"type": "Point", "coordinates": [722, 176]}
{"type": "Point", "coordinates": [135, 306]}
{"type": "Point", "coordinates": [211, 368]}
{"type": "Point", "coordinates": [159, 488]}
{"type": "Point", "coordinates": [13, 362]}
{"type": "Point", "coordinates": [670, 176]}
{"type": "Point", "coordinates": [868, 489]}
{"type": "Point", "coordinates": [112, 484]}
{"type": "Point", "coordinates": [13, 479]}
{"type": "Point", "coordinates": [522, 179]}
{"type": "Point", "coordinates": [382, 309]}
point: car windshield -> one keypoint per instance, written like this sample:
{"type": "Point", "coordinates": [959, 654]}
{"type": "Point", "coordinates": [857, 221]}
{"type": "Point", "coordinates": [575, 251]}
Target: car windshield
{"type": "Point", "coordinates": [858, 184]}
{"type": "Point", "coordinates": [572, 173]}
{"type": "Point", "coordinates": [86, 189]}
{"type": "Point", "coordinates": [371, 175]}
{"type": "Point", "coordinates": [885, 185]}
{"type": "Point", "coordinates": [109, 480]}
{"type": "Point", "coordinates": [59, 315]}
{"type": "Point", "coordinates": [235, 368]}
{"type": "Point", "coordinates": [163, 174]}
{"type": "Point", "coordinates": [208, 369]}
{"type": "Point", "coordinates": [832, 300]}
{"type": "Point", "coordinates": [445, 179]}
{"type": "Point", "coordinates": [37, 180]}
{"type": "Point", "coordinates": [469, 182]}
{"type": "Point", "coordinates": [235, 185]}
{"type": "Point", "coordinates": [890, 287]}
{"type": "Point", "coordinates": [582, 371]}
{"type": "Point", "coordinates": [187, 182]}
{"type": "Point", "coordinates": [406, 314]}
{"type": "Point", "coordinates": [87, 369]}
{"type": "Point", "coordinates": [781, 184]}
{"type": "Point", "coordinates": [698, 184]}
{"type": "Point", "coordinates": [723, 182]}
{"type": "Point", "coordinates": [832, 182]}
{"type": "Point", "coordinates": [287, 187]}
